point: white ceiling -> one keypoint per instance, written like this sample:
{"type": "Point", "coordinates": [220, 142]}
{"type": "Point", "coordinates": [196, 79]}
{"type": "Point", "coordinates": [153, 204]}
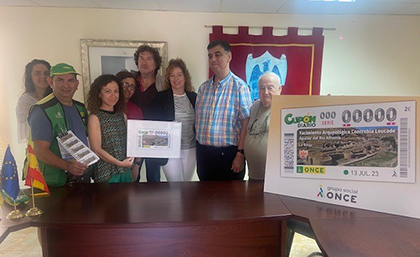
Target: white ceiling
{"type": "Point", "coordinates": [383, 7]}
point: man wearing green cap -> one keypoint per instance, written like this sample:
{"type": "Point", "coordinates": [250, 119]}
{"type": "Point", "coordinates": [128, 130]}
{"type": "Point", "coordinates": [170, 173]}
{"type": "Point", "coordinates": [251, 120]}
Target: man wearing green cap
{"type": "Point", "coordinates": [50, 117]}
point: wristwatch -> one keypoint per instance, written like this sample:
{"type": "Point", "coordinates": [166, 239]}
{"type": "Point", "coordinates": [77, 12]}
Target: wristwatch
{"type": "Point", "coordinates": [240, 151]}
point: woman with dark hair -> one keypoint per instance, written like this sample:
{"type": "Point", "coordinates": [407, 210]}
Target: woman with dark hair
{"type": "Point", "coordinates": [107, 130]}
{"type": "Point", "coordinates": [36, 87]}
{"type": "Point", "coordinates": [133, 111]}
{"type": "Point", "coordinates": [129, 85]}
{"type": "Point", "coordinates": [148, 84]}
{"type": "Point", "coordinates": [177, 103]}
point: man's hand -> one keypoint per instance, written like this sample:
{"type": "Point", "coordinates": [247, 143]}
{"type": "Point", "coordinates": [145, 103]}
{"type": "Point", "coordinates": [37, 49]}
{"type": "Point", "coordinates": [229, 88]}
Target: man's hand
{"type": "Point", "coordinates": [44, 154]}
{"type": "Point", "coordinates": [76, 168]}
{"type": "Point", "coordinates": [238, 163]}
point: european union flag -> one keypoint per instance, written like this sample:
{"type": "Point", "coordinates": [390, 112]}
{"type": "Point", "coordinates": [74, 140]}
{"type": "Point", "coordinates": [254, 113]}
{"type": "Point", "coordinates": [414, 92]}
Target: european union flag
{"type": "Point", "coordinates": [9, 176]}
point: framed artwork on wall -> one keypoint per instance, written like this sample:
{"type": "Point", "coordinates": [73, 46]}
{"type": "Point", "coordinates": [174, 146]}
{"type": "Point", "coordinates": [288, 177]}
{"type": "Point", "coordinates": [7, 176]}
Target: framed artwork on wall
{"type": "Point", "coordinates": [101, 56]}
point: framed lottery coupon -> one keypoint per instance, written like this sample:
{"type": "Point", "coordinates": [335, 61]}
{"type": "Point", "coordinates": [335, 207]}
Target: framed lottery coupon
{"type": "Point", "coordinates": [159, 139]}
{"type": "Point", "coordinates": [352, 151]}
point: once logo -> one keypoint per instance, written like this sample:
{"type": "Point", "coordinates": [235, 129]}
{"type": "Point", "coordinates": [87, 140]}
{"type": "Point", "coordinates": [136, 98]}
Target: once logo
{"type": "Point", "coordinates": [310, 169]}
{"type": "Point", "coordinates": [321, 192]}
{"type": "Point", "coordinates": [342, 197]}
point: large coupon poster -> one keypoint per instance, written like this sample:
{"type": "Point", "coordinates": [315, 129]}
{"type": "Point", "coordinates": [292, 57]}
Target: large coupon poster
{"type": "Point", "coordinates": [358, 152]}
{"type": "Point", "coordinates": [366, 142]}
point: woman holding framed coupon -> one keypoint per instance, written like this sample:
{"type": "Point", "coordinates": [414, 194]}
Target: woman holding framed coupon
{"type": "Point", "coordinates": [107, 130]}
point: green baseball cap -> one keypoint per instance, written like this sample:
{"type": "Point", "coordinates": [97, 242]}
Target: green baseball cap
{"type": "Point", "coordinates": [61, 69]}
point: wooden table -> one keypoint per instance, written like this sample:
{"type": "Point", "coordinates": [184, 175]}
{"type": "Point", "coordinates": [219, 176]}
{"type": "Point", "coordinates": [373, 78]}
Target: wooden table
{"type": "Point", "coordinates": [232, 218]}
{"type": "Point", "coordinates": [344, 231]}
{"type": "Point", "coordinates": [163, 219]}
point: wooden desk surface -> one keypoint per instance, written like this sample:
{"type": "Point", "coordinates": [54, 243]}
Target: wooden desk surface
{"type": "Point", "coordinates": [154, 204]}
{"type": "Point", "coordinates": [307, 209]}
{"type": "Point", "coordinates": [344, 231]}
{"type": "Point", "coordinates": [339, 231]}
{"type": "Point", "coordinates": [373, 236]}
{"type": "Point", "coordinates": [231, 218]}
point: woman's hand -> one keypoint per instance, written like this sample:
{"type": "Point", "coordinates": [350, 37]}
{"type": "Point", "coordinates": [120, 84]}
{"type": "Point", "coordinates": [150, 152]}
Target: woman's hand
{"type": "Point", "coordinates": [128, 162]}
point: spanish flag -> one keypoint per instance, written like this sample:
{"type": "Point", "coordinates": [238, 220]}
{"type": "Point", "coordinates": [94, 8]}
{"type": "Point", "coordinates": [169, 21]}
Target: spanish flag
{"type": "Point", "coordinates": [34, 177]}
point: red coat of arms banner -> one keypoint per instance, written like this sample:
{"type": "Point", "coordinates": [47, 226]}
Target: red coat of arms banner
{"type": "Point", "coordinates": [296, 59]}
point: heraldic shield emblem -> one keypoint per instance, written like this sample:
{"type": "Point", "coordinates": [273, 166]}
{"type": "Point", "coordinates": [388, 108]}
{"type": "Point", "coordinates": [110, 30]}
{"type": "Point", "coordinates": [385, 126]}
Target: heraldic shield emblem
{"type": "Point", "coordinates": [255, 67]}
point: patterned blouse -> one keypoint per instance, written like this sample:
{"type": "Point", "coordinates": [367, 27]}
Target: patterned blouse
{"type": "Point", "coordinates": [113, 141]}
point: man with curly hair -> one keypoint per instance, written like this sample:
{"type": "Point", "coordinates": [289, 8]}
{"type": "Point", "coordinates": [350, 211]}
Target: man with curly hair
{"type": "Point", "coordinates": [148, 84]}
{"type": "Point", "coordinates": [50, 117]}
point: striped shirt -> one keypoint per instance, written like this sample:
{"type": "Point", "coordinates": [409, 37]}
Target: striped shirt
{"type": "Point", "coordinates": [184, 113]}
{"type": "Point", "coordinates": [219, 110]}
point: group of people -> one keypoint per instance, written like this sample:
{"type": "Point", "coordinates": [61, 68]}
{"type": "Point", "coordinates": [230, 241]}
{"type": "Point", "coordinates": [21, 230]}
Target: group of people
{"type": "Point", "coordinates": [221, 127]}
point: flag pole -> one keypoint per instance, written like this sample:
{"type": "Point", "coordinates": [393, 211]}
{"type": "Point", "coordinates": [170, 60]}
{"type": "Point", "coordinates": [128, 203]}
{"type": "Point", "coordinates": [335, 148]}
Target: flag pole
{"type": "Point", "coordinates": [34, 211]}
{"type": "Point", "coordinates": [32, 190]}
{"type": "Point", "coordinates": [15, 214]}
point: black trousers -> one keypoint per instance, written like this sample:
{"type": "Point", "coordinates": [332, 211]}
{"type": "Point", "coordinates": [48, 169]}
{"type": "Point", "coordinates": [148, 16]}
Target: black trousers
{"type": "Point", "coordinates": [153, 169]}
{"type": "Point", "coordinates": [215, 163]}
{"type": "Point", "coordinates": [153, 166]}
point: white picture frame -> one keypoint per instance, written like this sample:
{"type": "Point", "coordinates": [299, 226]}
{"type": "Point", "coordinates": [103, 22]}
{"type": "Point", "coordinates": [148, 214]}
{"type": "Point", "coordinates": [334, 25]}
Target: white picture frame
{"type": "Point", "coordinates": [119, 53]}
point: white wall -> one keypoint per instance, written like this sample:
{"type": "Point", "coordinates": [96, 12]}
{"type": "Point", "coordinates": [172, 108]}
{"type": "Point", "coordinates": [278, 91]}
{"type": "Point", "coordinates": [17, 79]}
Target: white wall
{"type": "Point", "coordinates": [377, 55]}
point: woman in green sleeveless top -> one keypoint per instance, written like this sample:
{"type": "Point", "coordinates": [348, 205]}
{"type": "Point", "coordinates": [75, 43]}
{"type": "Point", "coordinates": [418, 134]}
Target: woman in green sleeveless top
{"type": "Point", "coordinates": [107, 130]}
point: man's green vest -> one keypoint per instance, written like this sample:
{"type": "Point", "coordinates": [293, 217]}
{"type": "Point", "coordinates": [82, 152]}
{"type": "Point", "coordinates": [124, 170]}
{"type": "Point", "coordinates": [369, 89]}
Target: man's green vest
{"type": "Point", "coordinates": [55, 113]}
